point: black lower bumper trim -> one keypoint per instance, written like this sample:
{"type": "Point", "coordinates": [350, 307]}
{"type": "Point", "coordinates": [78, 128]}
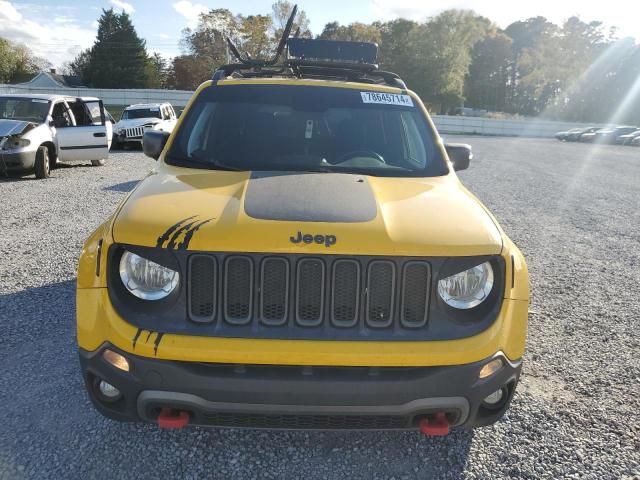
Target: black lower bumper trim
{"type": "Point", "coordinates": [17, 163]}
{"type": "Point", "coordinates": [296, 397]}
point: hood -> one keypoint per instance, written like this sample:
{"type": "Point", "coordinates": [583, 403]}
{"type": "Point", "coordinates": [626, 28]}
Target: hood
{"type": "Point", "coordinates": [14, 127]}
{"type": "Point", "coordinates": [306, 213]}
{"type": "Point", "coordinates": [136, 122]}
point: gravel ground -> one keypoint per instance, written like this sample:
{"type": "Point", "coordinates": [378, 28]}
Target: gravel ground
{"type": "Point", "coordinates": [572, 208]}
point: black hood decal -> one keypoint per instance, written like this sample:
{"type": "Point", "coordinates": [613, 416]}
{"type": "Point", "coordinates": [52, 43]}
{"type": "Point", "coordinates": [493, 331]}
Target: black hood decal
{"type": "Point", "coordinates": [187, 227]}
{"type": "Point", "coordinates": [310, 197]}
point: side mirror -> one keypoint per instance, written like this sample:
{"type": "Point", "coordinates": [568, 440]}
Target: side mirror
{"type": "Point", "coordinates": [153, 143]}
{"type": "Point", "coordinates": [460, 155]}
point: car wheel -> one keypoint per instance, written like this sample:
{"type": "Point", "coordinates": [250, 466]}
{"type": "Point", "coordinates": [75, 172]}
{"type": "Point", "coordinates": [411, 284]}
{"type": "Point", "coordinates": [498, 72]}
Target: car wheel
{"type": "Point", "coordinates": [42, 166]}
{"type": "Point", "coordinates": [98, 163]}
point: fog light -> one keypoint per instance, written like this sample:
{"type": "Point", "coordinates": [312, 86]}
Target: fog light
{"type": "Point", "coordinates": [494, 398]}
{"type": "Point", "coordinates": [108, 390]}
{"type": "Point", "coordinates": [116, 360]}
{"type": "Point", "coordinates": [490, 368]}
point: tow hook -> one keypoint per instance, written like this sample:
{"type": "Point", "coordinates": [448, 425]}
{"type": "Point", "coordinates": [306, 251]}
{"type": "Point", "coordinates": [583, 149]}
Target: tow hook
{"type": "Point", "coordinates": [436, 426]}
{"type": "Point", "coordinates": [170, 418]}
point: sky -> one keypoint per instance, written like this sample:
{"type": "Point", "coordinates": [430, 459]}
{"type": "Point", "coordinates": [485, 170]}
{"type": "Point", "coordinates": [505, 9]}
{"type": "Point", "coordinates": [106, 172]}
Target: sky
{"type": "Point", "coordinates": [58, 29]}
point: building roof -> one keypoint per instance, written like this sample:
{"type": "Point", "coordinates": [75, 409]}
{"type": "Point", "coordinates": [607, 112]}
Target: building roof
{"type": "Point", "coordinates": [72, 81]}
{"type": "Point", "coordinates": [53, 79]}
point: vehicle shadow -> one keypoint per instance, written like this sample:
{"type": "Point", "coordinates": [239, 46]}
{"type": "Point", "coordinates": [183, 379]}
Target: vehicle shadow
{"type": "Point", "coordinates": [62, 166]}
{"type": "Point", "coordinates": [47, 414]}
{"type": "Point", "coordinates": [13, 178]}
{"type": "Point", "coordinates": [122, 187]}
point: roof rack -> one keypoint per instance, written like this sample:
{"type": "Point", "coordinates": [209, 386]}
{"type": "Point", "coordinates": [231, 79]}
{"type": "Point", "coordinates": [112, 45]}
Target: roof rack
{"type": "Point", "coordinates": [312, 58]}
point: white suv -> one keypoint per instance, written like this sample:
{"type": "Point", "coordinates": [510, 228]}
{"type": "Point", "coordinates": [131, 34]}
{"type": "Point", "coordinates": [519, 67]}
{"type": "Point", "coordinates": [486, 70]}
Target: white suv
{"type": "Point", "coordinates": [38, 131]}
{"type": "Point", "coordinates": [137, 119]}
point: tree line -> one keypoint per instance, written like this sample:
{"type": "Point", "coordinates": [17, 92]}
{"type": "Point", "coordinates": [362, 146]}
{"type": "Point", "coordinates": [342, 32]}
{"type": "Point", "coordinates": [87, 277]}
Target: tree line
{"type": "Point", "coordinates": [576, 71]}
{"type": "Point", "coordinates": [17, 62]}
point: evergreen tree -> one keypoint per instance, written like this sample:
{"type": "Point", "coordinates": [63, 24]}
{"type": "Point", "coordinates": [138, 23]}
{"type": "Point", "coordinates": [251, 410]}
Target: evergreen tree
{"type": "Point", "coordinates": [118, 58]}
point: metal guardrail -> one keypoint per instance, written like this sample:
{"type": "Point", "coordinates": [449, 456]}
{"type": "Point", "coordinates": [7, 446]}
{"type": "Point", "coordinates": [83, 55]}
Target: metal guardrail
{"type": "Point", "coordinates": [446, 124]}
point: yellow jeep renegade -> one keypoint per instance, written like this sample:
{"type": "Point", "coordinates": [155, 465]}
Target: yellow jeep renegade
{"type": "Point", "coordinates": [303, 256]}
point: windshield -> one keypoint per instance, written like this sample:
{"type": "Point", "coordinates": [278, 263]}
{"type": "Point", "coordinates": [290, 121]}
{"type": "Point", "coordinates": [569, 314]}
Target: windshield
{"type": "Point", "coordinates": [153, 112]}
{"type": "Point", "coordinates": [24, 109]}
{"type": "Point", "coordinates": [301, 128]}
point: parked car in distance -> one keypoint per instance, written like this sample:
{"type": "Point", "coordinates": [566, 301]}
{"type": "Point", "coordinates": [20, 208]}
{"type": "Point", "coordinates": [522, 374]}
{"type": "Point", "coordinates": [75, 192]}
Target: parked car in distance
{"type": "Point", "coordinates": [635, 142]}
{"type": "Point", "coordinates": [139, 118]}
{"type": "Point", "coordinates": [575, 136]}
{"type": "Point", "coordinates": [606, 135]}
{"type": "Point", "coordinates": [38, 131]}
{"type": "Point", "coordinates": [563, 135]}
{"type": "Point", "coordinates": [626, 139]}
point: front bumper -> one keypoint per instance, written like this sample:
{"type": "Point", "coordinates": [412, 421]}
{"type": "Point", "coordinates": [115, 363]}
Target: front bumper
{"type": "Point", "coordinates": [297, 397]}
{"type": "Point", "coordinates": [124, 139]}
{"type": "Point", "coordinates": [17, 162]}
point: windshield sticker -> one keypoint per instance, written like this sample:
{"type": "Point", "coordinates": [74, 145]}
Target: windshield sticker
{"type": "Point", "coordinates": [387, 98]}
{"type": "Point", "coordinates": [39, 100]}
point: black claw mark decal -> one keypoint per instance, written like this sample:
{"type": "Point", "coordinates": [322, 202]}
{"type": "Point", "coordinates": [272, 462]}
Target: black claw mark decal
{"type": "Point", "coordinates": [166, 235]}
{"type": "Point", "coordinates": [148, 336]}
{"type": "Point", "coordinates": [182, 230]}
{"type": "Point", "coordinates": [157, 343]}
{"type": "Point", "coordinates": [186, 227]}
{"type": "Point", "coordinates": [187, 238]}
{"type": "Point", "coordinates": [135, 338]}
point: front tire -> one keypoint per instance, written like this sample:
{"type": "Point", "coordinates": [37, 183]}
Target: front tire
{"type": "Point", "coordinates": [98, 163]}
{"type": "Point", "coordinates": [42, 166]}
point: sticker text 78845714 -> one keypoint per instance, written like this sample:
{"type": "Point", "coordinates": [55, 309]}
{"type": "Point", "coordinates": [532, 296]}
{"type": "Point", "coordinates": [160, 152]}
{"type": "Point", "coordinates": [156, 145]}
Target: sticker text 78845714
{"type": "Point", "coordinates": [387, 98]}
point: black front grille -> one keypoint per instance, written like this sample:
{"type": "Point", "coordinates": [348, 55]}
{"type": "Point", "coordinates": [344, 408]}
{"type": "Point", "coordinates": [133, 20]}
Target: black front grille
{"type": "Point", "coordinates": [202, 287]}
{"type": "Point", "coordinates": [238, 282]}
{"type": "Point", "coordinates": [415, 294]}
{"type": "Point", "coordinates": [308, 422]}
{"type": "Point", "coordinates": [381, 290]}
{"type": "Point", "coordinates": [310, 292]}
{"type": "Point", "coordinates": [345, 294]}
{"type": "Point", "coordinates": [302, 292]}
{"type": "Point", "coordinates": [274, 291]}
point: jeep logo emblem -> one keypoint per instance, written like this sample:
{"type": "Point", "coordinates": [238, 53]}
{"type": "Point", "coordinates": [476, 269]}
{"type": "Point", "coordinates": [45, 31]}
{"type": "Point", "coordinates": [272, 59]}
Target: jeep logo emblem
{"type": "Point", "coordinates": [307, 238]}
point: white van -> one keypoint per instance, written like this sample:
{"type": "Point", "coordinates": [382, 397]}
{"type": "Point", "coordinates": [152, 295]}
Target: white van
{"type": "Point", "coordinates": [38, 131]}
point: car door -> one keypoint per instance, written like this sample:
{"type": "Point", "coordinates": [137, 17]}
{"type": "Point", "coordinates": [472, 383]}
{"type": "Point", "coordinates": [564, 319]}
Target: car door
{"type": "Point", "coordinates": [87, 138]}
{"type": "Point", "coordinates": [172, 119]}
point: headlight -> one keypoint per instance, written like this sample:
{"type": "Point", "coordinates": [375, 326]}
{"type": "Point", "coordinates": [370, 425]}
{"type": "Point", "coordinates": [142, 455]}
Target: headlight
{"type": "Point", "coordinates": [13, 143]}
{"type": "Point", "coordinates": [146, 279]}
{"type": "Point", "coordinates": [467, 289]}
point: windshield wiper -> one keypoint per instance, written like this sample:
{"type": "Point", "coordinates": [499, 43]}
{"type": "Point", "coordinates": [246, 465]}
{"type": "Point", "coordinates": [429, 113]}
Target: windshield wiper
{"type": "Point", "coordinates": [209, 164]}
{"type": "Point", "coordinates": [348, 171]}
{"type": "Point", "coordinates": [228, 168]}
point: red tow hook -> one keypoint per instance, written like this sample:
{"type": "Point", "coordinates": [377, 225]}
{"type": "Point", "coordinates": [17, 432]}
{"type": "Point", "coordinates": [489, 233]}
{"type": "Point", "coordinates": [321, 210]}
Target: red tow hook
{"type": "Point", "coordinates": [436, 426]}
{"type": "Point", "coordinates": [170, 418]}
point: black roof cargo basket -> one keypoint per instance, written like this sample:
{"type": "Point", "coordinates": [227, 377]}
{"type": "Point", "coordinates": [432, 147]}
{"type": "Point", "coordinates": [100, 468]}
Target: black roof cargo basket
{"type": "Point", "coordinates": [359, 52]}
{"type": "Point", "coordinates": [312, 58]}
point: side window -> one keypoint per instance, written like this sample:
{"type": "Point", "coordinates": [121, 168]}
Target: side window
{"type": "Point", "coordinates": [94, 113]}
{"type": "Point", "coordinates": [79, 113]}
{"type": "Point", "coordinates": [60, 116]}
